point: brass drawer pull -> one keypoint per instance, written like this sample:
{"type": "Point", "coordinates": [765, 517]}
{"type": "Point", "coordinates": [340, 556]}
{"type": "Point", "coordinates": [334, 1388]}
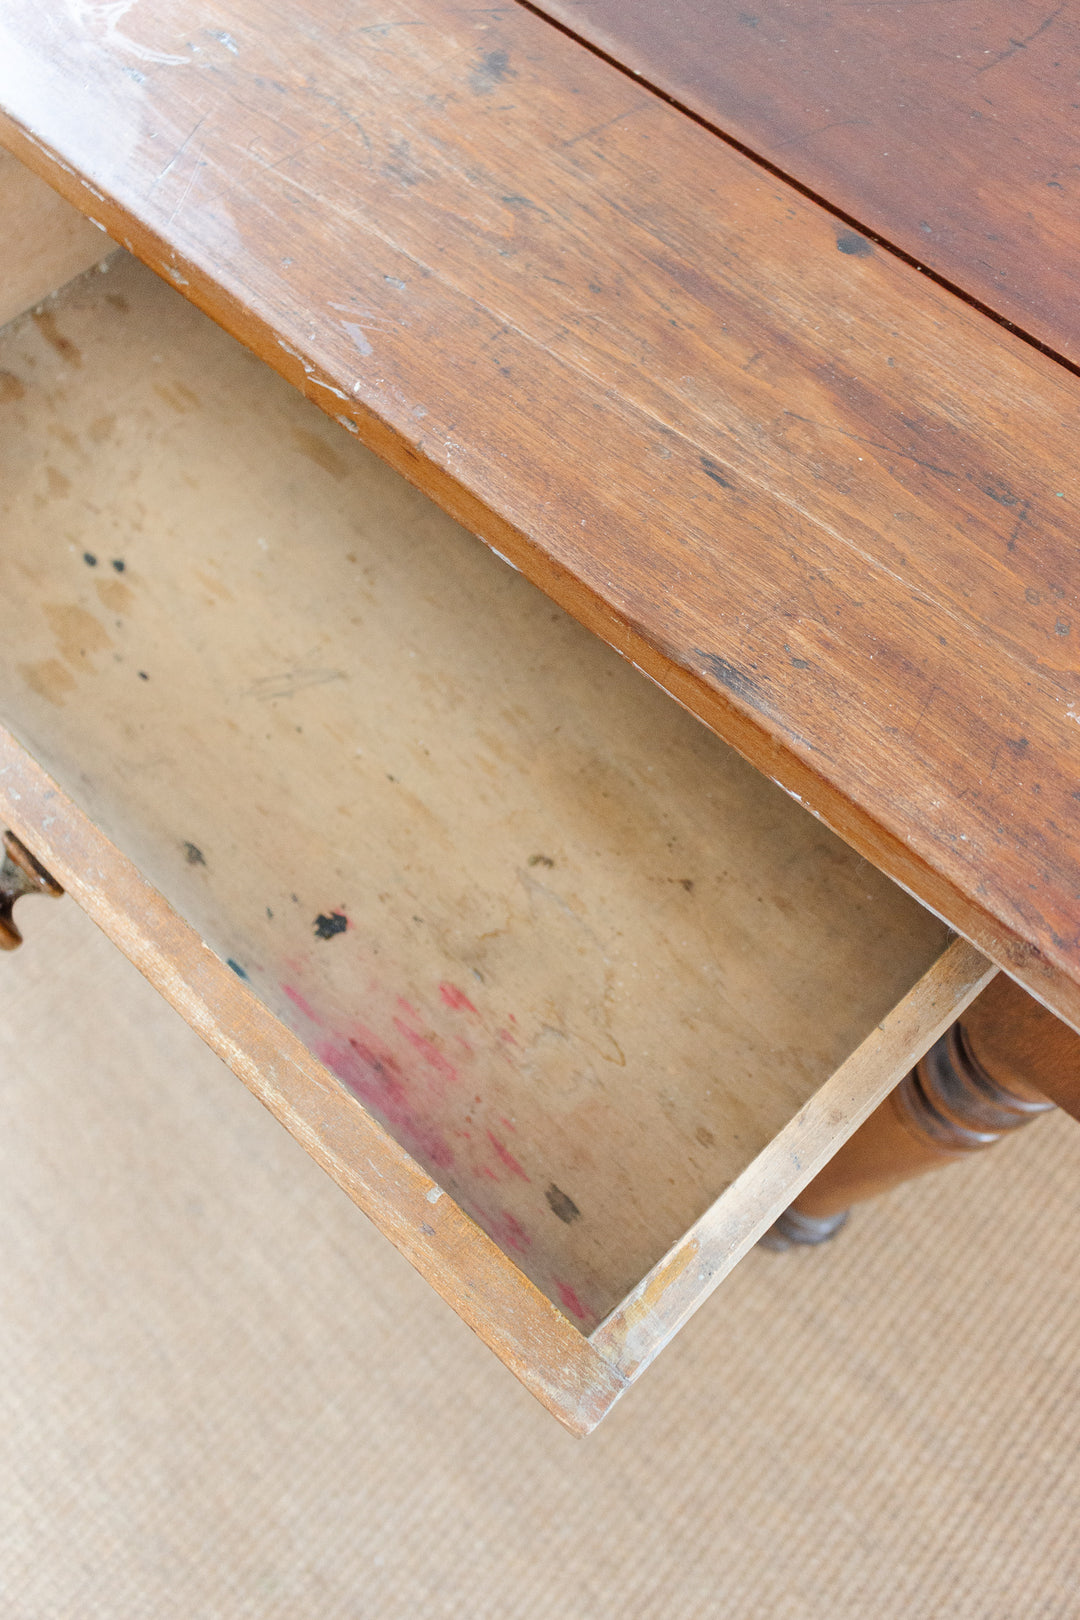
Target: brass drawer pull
{"type": "Point", "coordinates": [20, 874]}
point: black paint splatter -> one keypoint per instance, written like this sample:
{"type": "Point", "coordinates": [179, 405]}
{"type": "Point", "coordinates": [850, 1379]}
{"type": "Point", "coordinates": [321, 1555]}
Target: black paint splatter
{"type": "Point", "coordinates": [541, 860]}
{"type": "Point", "coordinates": [327, 925]}
{"type": "Point", "coordinates": [89, 559]}
{"type": "Point", "coordinates": [194, 854]}
{"type": "Point", "coordinates": [237, 969]}
{"type": "Point", "coordinates": [561, 1205]}
{"type": "Point", "coordinates": [119, 564]}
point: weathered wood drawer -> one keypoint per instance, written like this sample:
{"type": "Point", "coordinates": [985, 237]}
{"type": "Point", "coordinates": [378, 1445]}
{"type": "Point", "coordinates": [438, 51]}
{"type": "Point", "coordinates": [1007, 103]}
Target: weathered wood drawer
{"type": "Point", "coordinates": [570, 999]}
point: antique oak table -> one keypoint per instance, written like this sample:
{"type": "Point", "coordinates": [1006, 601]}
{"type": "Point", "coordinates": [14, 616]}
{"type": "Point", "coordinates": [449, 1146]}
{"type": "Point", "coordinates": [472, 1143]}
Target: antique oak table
{"type": "Point", "coordinates": [749, 337]}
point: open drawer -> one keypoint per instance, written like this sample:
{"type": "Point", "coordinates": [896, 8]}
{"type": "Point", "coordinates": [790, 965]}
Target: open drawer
{"type": "Point", "coordinates": [569, 999]}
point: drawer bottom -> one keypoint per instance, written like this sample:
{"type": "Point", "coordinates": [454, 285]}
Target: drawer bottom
{"type": "Point", "coordinates": [493, 925]}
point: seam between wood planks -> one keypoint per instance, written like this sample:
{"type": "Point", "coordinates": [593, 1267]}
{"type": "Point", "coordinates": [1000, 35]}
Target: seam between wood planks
{"type": "Point", "coordinates": [818, 197]}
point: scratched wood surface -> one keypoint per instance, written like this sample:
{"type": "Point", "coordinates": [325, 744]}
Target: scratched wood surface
{"type": "Point", "coordinates": [583, 961]}
{"type": "Point", "coordinates": [43, 240]}
{"type": "Point", "coordinates": [827, 505]}
{"type": "Point", "coordinates": [952, 130]}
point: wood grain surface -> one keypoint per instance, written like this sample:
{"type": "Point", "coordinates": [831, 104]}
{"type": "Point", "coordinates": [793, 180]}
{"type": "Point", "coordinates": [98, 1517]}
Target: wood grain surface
{"type": "Point", "coordinates": [580, 959]}
{"type": "Point", "coordinates": [952, 130]}
{"type": "Point", "coordinates": [826, 504]}
{"type": "Point", "coordinates": [1022, 1048]}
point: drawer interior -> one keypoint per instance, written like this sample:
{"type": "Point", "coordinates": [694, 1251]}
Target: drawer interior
{"type": "Point", "coordinates": [580, 959]}
{"type": "Point", "coordinates": [44, 242]}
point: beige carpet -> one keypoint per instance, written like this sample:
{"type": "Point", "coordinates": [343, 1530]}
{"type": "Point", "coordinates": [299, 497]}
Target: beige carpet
{"type": "Point", "coordinates": [225, 1395]}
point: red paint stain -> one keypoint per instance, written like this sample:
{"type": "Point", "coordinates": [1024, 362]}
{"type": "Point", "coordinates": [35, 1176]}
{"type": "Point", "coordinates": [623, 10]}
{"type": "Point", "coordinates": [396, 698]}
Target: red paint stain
{"type": "Point", "coordinates": [375, 1078]}
{"type": "Point", "coordinates": [506, 1156]}
{"type": "Point", "coordinates": [507, 1122]}
{"type": "Point", "coordinates": [428, 1051]}
{"type": "Point", "coordinates": [456, 998]}
{"type": "Point", "coordinates": [508, 1036]}
{"type": "Point", "coordinates": [304, 1005]}
{"type": "Point", "coordinates": [571, 1301]}
{"type": "Point", "coordinates": [509, 1233]}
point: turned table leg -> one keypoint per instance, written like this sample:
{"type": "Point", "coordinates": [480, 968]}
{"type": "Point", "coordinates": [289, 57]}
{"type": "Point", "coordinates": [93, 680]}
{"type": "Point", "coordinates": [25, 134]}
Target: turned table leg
{"type": "Point", "coordinates": [1001, 1065]}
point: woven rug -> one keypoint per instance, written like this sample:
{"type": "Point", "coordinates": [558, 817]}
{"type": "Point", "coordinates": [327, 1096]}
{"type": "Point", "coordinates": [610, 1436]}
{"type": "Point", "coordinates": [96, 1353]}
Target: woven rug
{"type": "Point", "coordinates": [225, 1395]}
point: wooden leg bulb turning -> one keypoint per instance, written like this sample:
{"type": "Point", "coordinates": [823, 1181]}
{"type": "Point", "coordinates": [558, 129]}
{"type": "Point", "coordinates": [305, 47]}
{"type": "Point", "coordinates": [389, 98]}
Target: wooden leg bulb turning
{"type": "Point", "coordinates": [1000, 1066]}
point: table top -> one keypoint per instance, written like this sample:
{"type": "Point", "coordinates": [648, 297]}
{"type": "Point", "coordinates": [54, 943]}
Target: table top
{"type": "Point", "coordinates": [824, 501]}
{"type": "Point", "coordinates": [950, 130]}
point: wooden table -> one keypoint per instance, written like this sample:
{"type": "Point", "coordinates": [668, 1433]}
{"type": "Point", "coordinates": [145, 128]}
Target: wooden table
{"type": "Point", "coordinates": [721, 396]}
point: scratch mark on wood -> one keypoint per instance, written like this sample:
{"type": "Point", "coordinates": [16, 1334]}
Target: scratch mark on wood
{"type": "Point", "coordinates": [289, 682]}
{"type": "Point", "coordinates": [180, 150]}
{"type": "Point", "coordinates": [1015, 45]}
{"type": "Point", "coordinates": [875, 444]}
{"type": "Point", "coordinates": [598, 129]}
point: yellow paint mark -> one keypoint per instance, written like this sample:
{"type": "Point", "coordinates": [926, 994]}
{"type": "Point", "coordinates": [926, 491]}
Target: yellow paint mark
{"type": "Point", "coordinates": [214, 586]}
{"type": "Point", "coordinates": [49, 680]}
{"type": "Point", "coordinates": [10, 387]}
{"type": "Point", "coordinates": [77, 633]}
{"type": "Point", "coordinates": [45, 321]}
{"type": "Point", "coordinates": [57, 430]}
{"type": "Point", "coordinates": [667, 1272]}
{"type": "Point", "coordinates": [115, 595]}
{"type": "Point", "coordinates": [57, 482]}
{"type": "Point", "coordinates": [177, 396]}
